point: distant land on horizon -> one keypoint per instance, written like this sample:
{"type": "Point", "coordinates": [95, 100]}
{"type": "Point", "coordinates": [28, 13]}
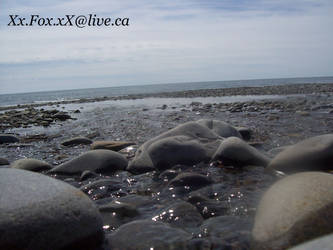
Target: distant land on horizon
{"type": "Point", "coordinates": [173, 83]}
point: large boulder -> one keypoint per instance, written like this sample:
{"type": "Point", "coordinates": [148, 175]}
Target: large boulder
{"type": "Point", "coordinates": [39, 212]}
{"type": "Point", "coordinates": [295, 209]}
{"type": "Point", "coordinates": [147, 234]}
{"type": "Point", "coordinates": [313, 154]}
{"type": "Point", "coordinates": [31, 165]}
{"type": "Point", "coordinates": [192, 133]}
{"type": "Point", "coordinates": [174, 150]}
{"type": "Point", "coordinates": [236, 152]}
{"type": "Point", "coordinates": [100, 161]}
{"type": "Point", "coordinates": [8, 138]}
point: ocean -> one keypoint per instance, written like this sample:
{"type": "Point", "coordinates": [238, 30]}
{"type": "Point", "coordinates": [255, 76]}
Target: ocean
{"type": "Point", "coordinates": [47, 96]}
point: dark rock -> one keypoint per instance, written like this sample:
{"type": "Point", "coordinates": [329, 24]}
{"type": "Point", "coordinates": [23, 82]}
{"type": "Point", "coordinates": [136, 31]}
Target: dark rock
{"type": "Point", "coordinates": [3, 161]}
{"type": "Point", "coordinates": [111, 145]}
{"type": "Point", "coordinates": [246, 133]}
{"type": "Point", "coordinates": [181, 214]}
{"type": "Point", "coordinates": [31, 165]}
{"type": "Point", "coordinates": [221, 128]}
{"type": "Point", "coordinates": [234, 151]}
{"type": "Point", "coordinates": [190, 180]}
{"type": "Point", "coordinates": [147, 234]}
{"type": "Point", "coordinates": [38, 212]}
{"type": "Point", "coordinates": [100, 161]}
{"type": "Point", "coordinates": [116, 213]}
{"type": "Point", "coordinates": [62, 116]}
{"type": "Point", "coordinates": [76, 141]}
{"type": "Point", "coordinates": [7, 138]}
{"type": "Point", "coordinates": [168, 174]}
{"type": "Point", "coordinates": [295, 209]}
{"type": "Point", "coordinates": [312, 154]}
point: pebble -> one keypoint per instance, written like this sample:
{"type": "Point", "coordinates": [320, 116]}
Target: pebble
{"type": "Point", "coordinates": [38, 212]}
{"type": "Point", "coordinates": [295, 209]}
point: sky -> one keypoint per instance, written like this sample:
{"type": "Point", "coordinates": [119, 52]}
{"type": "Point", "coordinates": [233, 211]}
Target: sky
{"type": "Point", "coordinates": [165, 42]}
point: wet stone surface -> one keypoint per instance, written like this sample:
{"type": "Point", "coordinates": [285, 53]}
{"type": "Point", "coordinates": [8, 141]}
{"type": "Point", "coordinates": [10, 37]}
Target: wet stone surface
{"type": "Point", "coordinates": [216, 193]}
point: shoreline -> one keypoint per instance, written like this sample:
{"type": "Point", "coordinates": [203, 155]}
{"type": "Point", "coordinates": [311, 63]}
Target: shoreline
{"type": "Point", "coordinates": [288, 89]}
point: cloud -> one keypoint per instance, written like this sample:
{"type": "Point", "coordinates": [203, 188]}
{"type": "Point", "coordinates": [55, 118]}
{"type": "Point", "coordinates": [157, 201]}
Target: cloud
{"type": "Point", "coordinates": [167, 41]}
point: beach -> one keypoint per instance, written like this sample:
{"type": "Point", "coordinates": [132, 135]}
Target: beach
{"type": "Point", "coordinates": [272, 118]}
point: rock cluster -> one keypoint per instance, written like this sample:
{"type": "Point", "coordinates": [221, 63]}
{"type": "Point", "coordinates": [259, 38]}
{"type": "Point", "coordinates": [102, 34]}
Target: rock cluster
{"type": "Point", "coordinates": [31, 116]}
{"type": "Point", "coordinates": [181, 164]}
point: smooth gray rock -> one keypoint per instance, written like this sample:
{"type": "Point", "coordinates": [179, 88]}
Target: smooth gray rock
{"type": "Point", "coordinates": [31, 165]}
{"type": "Point", "coordinates": [77, 141]}
{"type": "Point", "coordinates": [170, 151]}
{"type": "Point", "coordinates": [3, 161]}
{"type": "Point", "coordinates": [99, 161]}
{"type": "Point", "coordinates": [313, 154]}
{"type": "Point", "coordinates": [39, 212]}
{"type": "Point", "coordinates": [8, 138]}
{"type": "Point", "coordinates": [147, 234]}
{"type": "Point", "coordinates": [322, 243]}
{"type": "Point", "coordinates": [236, 152]}
{"type": "Point", "coordinates": [295, 209]}
{"type": "Point", "coordinates": [192, 131]}
{"type": "Point", "coordinates": [180, 214]}
{"type": "Point", "coordinates": [221, 128]}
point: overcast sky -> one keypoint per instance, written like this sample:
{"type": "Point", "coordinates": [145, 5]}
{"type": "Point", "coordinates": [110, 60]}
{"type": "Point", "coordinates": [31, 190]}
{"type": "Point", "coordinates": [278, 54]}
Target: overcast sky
{"type": "Point", "coordinates": [166, 41]}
